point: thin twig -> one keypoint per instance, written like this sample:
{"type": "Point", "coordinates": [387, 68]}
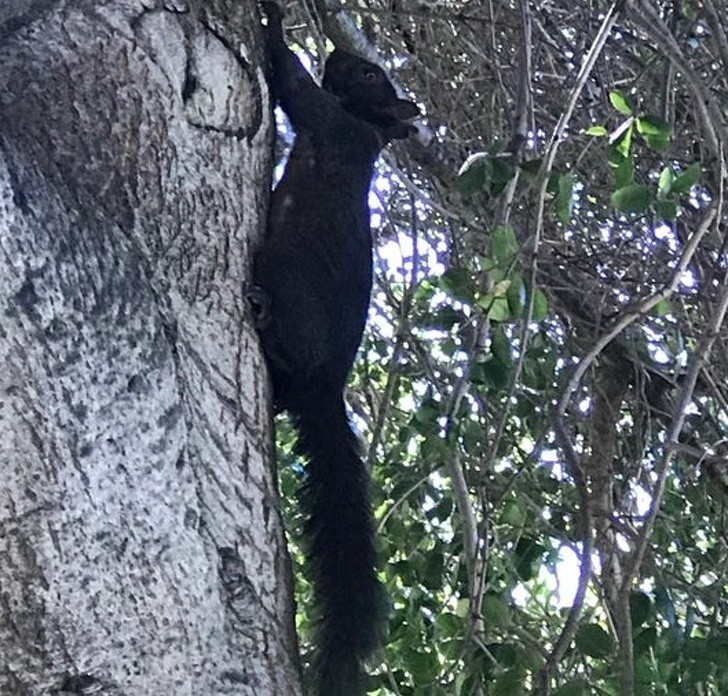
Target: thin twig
{"type": "Point", "coordinates": [457, 475]}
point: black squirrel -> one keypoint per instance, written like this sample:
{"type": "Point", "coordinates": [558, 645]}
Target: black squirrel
{"type": "Point", "coordinates": [313, 278]}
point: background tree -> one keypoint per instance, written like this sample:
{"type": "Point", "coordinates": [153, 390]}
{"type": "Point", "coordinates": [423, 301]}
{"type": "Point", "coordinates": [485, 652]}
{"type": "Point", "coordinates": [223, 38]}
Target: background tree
{"type": "Point", "coordinates": [543, 384]}
{"type": "Point", "coordinates": [141, 550]}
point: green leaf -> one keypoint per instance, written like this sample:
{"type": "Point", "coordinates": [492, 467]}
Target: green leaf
{"type": "Point", "coordinates": [696, 648]}
{"type": "Point", "coordinates": [655, 131]}
{"type": "Point", "coordinates": [594, 641]}
{"type": "Point", "coordinates": [666, 210]}
{"type": "Point", "coordinates": [624, 144]}
{"type": "Point", "coordinates": [657, 142]}
{"type": "Point", "coordinates": [615, 157]}
{"type": "Point", "coordinates": [552, 187]}
{"type": "Point", "coordinates": [499, 310]}
{"type": "Point", "coordinates": [423, 666]}
{"type": "Point", "coordinates": [458, 281]}
{"type": "Point", "coordinates": [444, 509]}
{"type": "Point", "coordinates": [528, 553]}
{"type": "Point", "coordinates": [514, 515]}
{"type": "Point", "coordinates": [670, 644]}
{"type": "Point", "coordinates": [501, 288]}
{"type": "Point", "coordinates": [462, 608]}
{"type": "Point", "coordinates": [565, 198]}
{"type": "Point", "coordinates": [531, 374]}
{"type": "Point", "coordinates": [531, 168]}
{"type": "Point", "coordinates": [645, 640]}
{"type": "Point", "coordinates": [577, 687]}
{"type": "Point", "coordinates": [432, 571]}
{"type": "Point", "coordinates": [426, 290]}
{"type": "Point", "coordinates": [620, 103]}
{"type": "Point", "coordinates": [624, 173]}
{"type": "Point", "coordinates": [500, 346]}
{"type": "Point", "coordinates": [484, 170]}
{"type": "Point", "coordinates": [473, 174]}
{"type": "Point", "coordinates": [505, 245]}
{"type": "Point", "coordinates": [448, 625]}
{"type": "Point", "coordinates": [645, 674]}
{"type": "Point", "coordinates": [662, 308]}
{"type": "Point", "coordinates": [540, 306]}
{"type": "Point", "coordinates": [596, 131]}
{"type": "Point", "coordinates": [509, 683]}
{"type": "Point", "coordinates": [502, 171]}
{"type": "Point", "coordinates": [530, 658]}
{"type": "Point", "coordinates": [640, 608]}
{"type": "Point", "coordinates": [423, 419]}
{"type": "Point", "coordinates": [516, 296]}
{"type": "Point", "coordinates": [505, 653]}
{"type": "Point", "coordinates": [433, 448]}
{"type": "Point", "coordinates": [634, 198]}
{"type": "Point", "coordinates": [651, 125]}
{"type": "Point", "coordinates": [713, 649]}
{"type": "Point", "coordinates": [664, 184]}
{"type": "Point", "coordinates": [664, 605]}
{"type": "Point", "coordinates": [496, 368]}
{"type": "Point", "coordinates": [496, 611]}
{"type": "Point", "coordinates": [717, 649]}
{"type": "Point", "coordinates": [491, 373]}
{"type": "Point", "coordinates": [496, 274]}
{"type": "Point", "coordinates": [685, 181]}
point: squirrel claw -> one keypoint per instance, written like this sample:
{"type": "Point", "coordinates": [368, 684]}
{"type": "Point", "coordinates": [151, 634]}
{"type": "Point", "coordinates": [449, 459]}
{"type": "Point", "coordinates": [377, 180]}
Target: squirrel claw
{"type": "Point", "coordinates": [260, 305]}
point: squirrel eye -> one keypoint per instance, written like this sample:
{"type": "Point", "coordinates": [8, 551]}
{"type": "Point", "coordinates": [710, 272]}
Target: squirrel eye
{"type": "Point", "coordinates": [369, 75]}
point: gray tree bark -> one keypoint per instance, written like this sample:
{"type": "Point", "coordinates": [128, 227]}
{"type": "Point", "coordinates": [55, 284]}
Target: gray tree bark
{"type": "Point", "coordinates": [141, 549]}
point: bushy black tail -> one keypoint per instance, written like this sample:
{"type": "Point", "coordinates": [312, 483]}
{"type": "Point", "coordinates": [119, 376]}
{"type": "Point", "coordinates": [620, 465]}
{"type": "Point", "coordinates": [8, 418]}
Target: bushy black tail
{"type": "Point", "coordinates": [349, 601]}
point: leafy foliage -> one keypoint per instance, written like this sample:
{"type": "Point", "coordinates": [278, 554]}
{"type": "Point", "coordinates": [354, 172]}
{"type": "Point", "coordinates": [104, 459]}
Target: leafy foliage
{"type": "Point", "coordinates": [494, 466]}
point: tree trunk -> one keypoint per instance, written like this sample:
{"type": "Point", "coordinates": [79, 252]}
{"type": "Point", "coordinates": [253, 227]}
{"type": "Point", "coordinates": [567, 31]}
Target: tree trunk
{"type": "Point", "coordinates": [141, 550]}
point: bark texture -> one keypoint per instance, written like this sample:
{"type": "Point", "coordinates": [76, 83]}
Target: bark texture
{"type": "Point", "coordinates": [141, 551]}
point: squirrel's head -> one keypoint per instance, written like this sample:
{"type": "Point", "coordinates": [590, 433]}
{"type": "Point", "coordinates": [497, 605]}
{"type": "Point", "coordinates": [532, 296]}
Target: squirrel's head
{"type": "Point", "coordinates": [365, 91]}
